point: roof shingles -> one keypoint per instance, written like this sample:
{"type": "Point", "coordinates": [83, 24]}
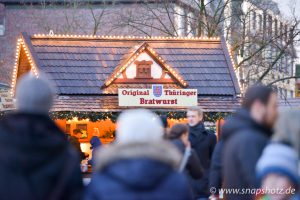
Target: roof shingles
{"type": "Point", "coordinates": [80, 66]}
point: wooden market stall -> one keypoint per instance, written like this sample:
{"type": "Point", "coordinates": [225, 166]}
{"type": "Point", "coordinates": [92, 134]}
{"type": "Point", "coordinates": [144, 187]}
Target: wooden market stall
{"type": "Point", "coordinates": [89, 70]}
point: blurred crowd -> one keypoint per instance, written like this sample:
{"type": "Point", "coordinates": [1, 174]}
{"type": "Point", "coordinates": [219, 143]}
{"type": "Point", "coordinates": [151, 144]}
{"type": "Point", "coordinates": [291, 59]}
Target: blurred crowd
{"type": "Point", "coordinates": [256, 156]}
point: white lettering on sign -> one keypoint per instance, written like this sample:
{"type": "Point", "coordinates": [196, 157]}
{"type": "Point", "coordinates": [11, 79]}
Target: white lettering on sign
{"type": "Point", "coordinates": [157, 97]}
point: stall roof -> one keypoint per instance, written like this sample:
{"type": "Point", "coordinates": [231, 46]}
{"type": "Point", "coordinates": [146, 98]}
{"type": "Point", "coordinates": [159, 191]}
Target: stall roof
{"type": "Point", "coordinates": [81, 65]}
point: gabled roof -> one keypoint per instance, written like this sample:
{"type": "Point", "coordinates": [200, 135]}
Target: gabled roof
{"type": "Point", "coordinates": [81, 64]}
{"type": "Point", "coordinates": [133, 54]}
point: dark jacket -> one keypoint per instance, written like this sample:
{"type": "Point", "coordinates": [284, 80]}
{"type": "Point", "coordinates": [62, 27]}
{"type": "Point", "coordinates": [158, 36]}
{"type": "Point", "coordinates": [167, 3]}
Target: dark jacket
{"type": "Point", "coordinates": [215, 172]}
{"type": "Point", "coordinates": [193, 166]}
{"type": "Point", "coordinates": [203, 142]}
{"type": "Point", "coordinates": [37, 162]}
{"type": "Point", "coordinates": [76, 144]}
{"type": "Point", "coordinates": [95, 144]}
{"type": "Point", "coordinates": [215, 176]}
{"type": "Point", "coordinates": [138, 172]}
{"type": "Point", "coordinates": [244, 141]}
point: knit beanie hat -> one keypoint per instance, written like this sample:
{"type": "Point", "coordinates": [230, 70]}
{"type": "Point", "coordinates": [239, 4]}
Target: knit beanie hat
{"type": "Point", "coordinates": [280, 159]}
{"type": "Point", "coordinates": [34, 94]}
{"type": "Point", "coordinates": [138, 126]}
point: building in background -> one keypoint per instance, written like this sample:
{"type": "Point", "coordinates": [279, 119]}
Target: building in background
{"type": "Point", "coordinates": [245, 24]}
{"type": "Point", "coordinates": [267, 49]}
{"type": "Point", "coordinates": [297, 85]}
{"type": "Point", "coordinates": [97, 17]}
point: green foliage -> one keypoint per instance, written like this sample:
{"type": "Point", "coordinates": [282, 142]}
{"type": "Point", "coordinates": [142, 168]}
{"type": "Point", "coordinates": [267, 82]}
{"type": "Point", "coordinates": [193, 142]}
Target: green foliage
{"type": "Point", "coordinates": [98, 116]}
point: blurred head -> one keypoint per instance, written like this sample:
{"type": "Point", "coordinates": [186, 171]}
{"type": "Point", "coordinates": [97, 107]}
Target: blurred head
{"type": "Point", "coordinates": [194, 115]}
{"type": "Point", "coordinates": [34, 95]}
{"type": "Point", "coordinates": [277, 168]}
{"type": "Point", "coordinates": [287, 129]}
{"type": "Point", "coordinates": [139, 126]}
{"type": "Point", "coordinates": [277, 182]}
{"type": "Point", "coordinates": [178, 130]}
{"type": "Point", "coordinates": [261, 101]}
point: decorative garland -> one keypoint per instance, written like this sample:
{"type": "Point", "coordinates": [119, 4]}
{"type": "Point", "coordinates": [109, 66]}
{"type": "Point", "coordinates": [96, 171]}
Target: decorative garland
{"type": "Point", "coordinates": [92, 116]}
{"type": "Point", "coordinates": [98, 116]}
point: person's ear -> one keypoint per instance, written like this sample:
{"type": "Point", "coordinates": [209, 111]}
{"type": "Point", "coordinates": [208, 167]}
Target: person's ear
{"type": "Point", "coordinates": [201, 117]}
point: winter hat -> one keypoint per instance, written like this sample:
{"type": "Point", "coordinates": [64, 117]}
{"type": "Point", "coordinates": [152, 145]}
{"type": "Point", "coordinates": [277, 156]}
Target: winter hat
{"type": "Point", "coordinates": [138, 126]}
{"type": "Point", "coordinates": [34, 94]}
{"type": "Point", "coordinates": [95, 142]}
{"type": "Point", "coordinates": [280, 159]}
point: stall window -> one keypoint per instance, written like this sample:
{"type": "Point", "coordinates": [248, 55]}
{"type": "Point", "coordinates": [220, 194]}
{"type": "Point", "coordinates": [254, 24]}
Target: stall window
{"type": "Point", "coordinates": [143, 69]}
{"type": "Point", "coordinates": [82, 128]}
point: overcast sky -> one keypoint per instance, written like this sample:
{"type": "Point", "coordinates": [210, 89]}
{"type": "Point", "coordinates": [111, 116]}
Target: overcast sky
{"type": "Point", "coordinates": [284, 6]}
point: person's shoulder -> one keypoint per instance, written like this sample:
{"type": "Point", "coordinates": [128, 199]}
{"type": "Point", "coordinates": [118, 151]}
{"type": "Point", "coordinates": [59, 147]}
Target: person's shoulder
{"type": "Point", "coordinates": [71, 153]}
{"type": "Point", "coordinates": [246, 137]}
{"type": "Point", "coordinates": [181, 186]}
{"type": "Point", "coordinates": [73, 139]}
{"type": "Point", "coordinates": [211, 134]}
{"type": "Point", "coordinates": [175, 176]}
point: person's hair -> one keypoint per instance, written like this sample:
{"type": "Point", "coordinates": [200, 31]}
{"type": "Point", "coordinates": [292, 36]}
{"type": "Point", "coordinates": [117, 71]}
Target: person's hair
{"type": "Point", "coordinates": [287, 129]}
{"type": "Point", "coordinates": [164, 120]}
{"type": "Point", "coordinates": [177, 131]}
{"type": "Point", "coordinates": [256, 92]}
{"type": "Point", "coordinates": [77, 131]}
{"type": "Point", "coordinates": [196, 108]}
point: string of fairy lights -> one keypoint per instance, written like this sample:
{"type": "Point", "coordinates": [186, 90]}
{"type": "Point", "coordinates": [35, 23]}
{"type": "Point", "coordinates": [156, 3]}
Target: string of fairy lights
{"type": "Point", "coordinates": [98, 116]}
{"type": "Point", "coordinates": [21, 43]}
{"type": "Point", "coordinates": [140, 50]}
{"type": "Point", "coordinates": [101, 116]}
{"type": "Point", "coordinates": [121, 37]}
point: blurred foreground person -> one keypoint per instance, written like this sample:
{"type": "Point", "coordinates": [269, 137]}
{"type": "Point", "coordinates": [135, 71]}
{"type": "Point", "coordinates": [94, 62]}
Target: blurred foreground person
{"type": "Point", "coordinates": [179, 136]}
{"type": "Point", "coordinates": [37, 162]}
{"type": "Point", "coordinates": [279, 164]}
{"type": "Point", "coordinates": [139, 165]}
{"type": "Point", "coordinates": [245, 136]}
{"type": "Point", "coordinates": [203, 142]}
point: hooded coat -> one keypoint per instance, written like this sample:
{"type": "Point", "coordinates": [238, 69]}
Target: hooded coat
{"type": "Point", "coordinates": [138, 171]}
{"type": "Point", "coordinates": [203, 142]}
{"type": "Point", "coordinates": [37, 162]}
{"type": "Point", "coordinates": [244, 141]}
